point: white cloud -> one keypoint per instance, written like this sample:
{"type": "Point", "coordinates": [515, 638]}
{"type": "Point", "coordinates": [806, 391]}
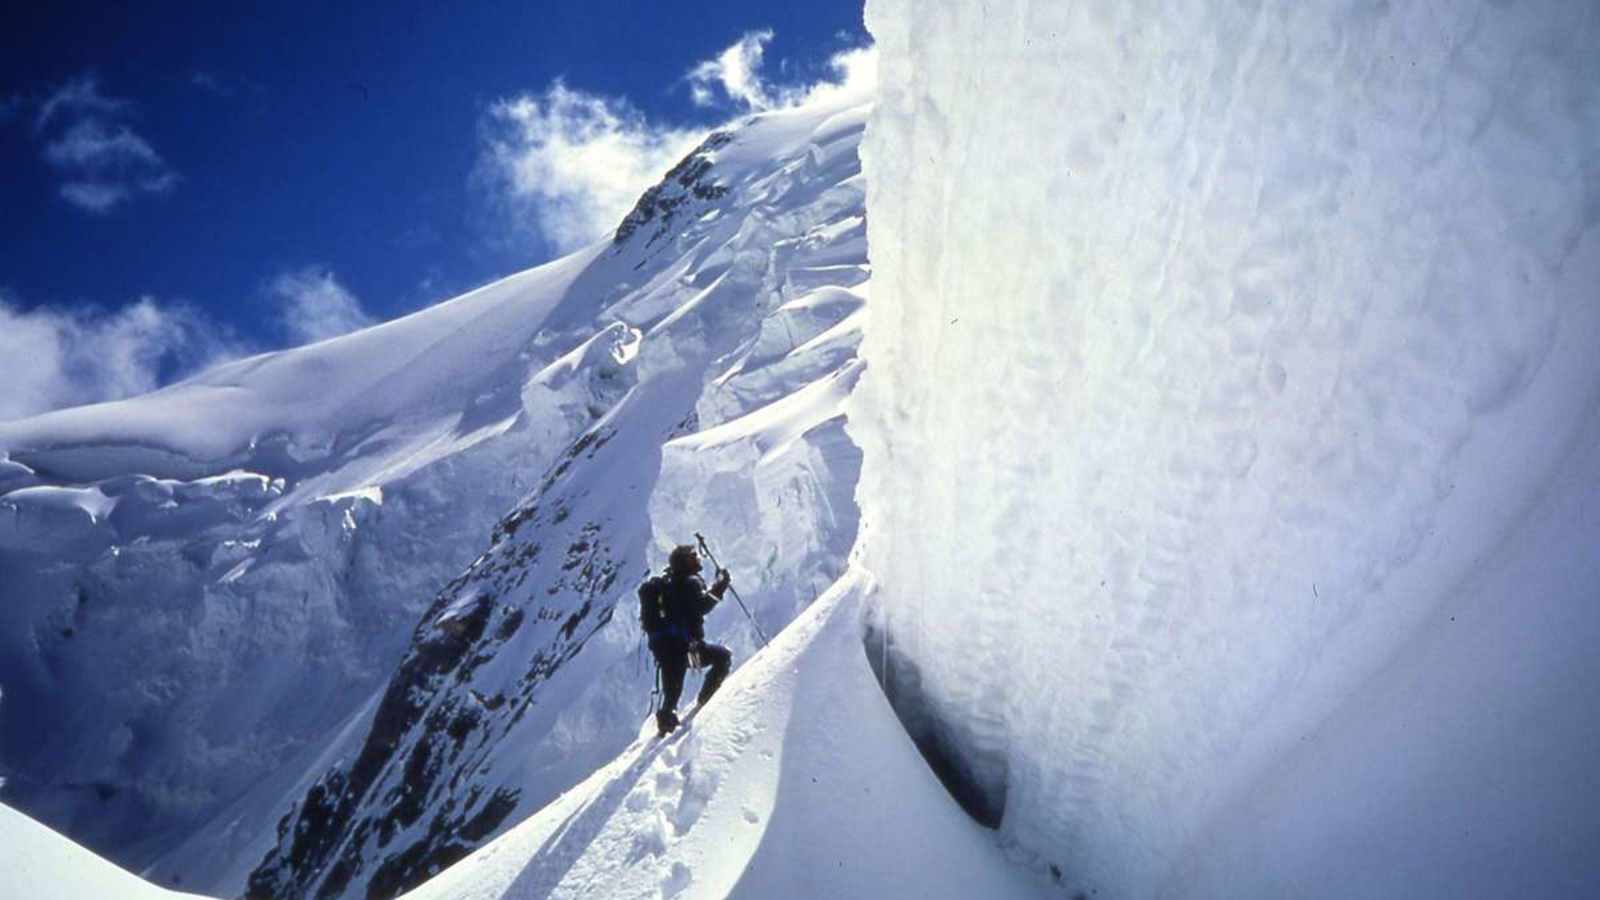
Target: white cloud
{"type": "Point", "coordinates": [56, 358]}
{"type": "Point", "coordinates": [81, 95]}
{"type": "Point", "coordinates": [317, 307]}
{"type": "Point", "coordinates": [60, 358]}
{"type": "Point", "coordinates": [855, 75]}
{"type": "Point", "coordinates": [210, 83]}
{"type": "Point", "coordinates": [574, 163]}
{"type": "Point", "coordinates": [734, 76]}
{"type": "Point", "coordinates": [734, 71]}
{"type": "Point", "coordinates": [93, 196]}
{"type": "Point", "coordinates": [93, 144]}
{"type": "Point", "coordinates": [103, 162]}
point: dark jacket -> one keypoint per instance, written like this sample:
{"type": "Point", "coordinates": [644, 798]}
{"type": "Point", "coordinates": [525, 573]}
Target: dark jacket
{"type": "Point", "coordinates": [675, 606]}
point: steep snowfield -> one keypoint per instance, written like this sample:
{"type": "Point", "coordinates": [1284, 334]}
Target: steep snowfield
{"type": "Point", "coordinates": [795, 781]}
{"type": "Point", "coordinates": [42, 865]}
{"type": "Point", "coordinates": [526, 674]}
{"type": "Point", "coordinates": [1259, 558]}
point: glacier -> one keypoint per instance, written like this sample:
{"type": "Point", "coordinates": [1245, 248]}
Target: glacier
{"type": "Point", "coordinates": [1229, 437]}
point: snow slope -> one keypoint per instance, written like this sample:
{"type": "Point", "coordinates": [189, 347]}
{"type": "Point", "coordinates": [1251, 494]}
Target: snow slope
{"type": "Point", "coordinates": [1259, 560]}
{"type": "Point", "coordinates": [526, 673]}
{"type": "Point", "coordinates": [42, 865]}
{"type": "Point", "coordinates": [795, 781]}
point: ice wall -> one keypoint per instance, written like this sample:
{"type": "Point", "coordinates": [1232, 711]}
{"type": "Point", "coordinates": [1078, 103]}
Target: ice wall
{"type": "Point", "coordinates": [1222, 357]}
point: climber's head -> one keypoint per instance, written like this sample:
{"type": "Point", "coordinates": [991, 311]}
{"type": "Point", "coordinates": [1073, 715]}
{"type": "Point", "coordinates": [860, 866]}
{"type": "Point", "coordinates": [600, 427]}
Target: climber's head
{"type": "Point", "coordinates": [684, 560]}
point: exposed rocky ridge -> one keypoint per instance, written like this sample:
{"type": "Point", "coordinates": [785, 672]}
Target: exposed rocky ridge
{"type": "Point", "coordinates": [685, 182]}
{"type": "Point", "coordinates": [432, 728]}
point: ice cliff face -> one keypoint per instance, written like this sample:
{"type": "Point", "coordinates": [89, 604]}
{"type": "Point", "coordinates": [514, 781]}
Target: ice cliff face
{"type": "Point", "coordinates": [1286, 314]}
{"type": "Point", "coordinates": [525, 674]}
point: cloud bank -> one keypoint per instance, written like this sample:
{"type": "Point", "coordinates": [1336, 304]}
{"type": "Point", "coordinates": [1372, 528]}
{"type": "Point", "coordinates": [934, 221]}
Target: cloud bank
{"type": "Point", "coordinates": [61, 358]}
{"type": "Point", "coordinates": [58, 358]}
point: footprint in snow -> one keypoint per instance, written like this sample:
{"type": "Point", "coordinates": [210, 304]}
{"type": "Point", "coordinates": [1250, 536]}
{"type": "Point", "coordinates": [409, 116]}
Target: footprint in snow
{"type": "Point", "coordinates": [678, 878]}
{"type": "Point", "coordinates": [669, 781]}
{"type": "Point", "coordinates": [638, 800]}
{"type": "Point", "coordinates": [650, 840]}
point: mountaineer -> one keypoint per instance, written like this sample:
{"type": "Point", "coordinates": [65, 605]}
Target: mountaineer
{"type": "Point", "coordinates": [672, 611]}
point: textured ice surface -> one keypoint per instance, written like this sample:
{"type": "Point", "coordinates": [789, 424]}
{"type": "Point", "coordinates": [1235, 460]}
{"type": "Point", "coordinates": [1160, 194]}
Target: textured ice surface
{"type": "Point", "coordinates": [1218, 352]}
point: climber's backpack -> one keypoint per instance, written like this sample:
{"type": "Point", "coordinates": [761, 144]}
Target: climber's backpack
{"type": "Point", "coordinates": [651, 617]}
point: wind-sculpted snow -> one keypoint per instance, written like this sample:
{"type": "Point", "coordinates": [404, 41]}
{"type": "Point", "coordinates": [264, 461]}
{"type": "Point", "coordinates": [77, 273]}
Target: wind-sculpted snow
{"type": "Point", "coordinates": [1218, 352]}
{"type": "Point", "coordinates": [527, 673]}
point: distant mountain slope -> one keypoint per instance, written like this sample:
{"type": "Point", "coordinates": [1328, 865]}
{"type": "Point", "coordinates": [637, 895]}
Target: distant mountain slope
{"type": "Point", "coordinates": [203, 582]}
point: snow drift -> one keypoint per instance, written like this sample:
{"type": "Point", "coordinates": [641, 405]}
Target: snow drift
{"type": "Point", "coordinates": [1229, 436]}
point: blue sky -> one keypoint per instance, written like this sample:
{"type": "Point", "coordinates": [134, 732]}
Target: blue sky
{"type": "Point", "coordinates": [185, 184]}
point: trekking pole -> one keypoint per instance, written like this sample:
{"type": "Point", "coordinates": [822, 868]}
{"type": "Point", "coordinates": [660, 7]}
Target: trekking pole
{"type": "Point", "coordinates": [709, 555]}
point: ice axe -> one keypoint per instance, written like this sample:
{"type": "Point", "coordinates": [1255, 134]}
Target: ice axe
{"type": "Point", "coordinates": [711, 556]}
